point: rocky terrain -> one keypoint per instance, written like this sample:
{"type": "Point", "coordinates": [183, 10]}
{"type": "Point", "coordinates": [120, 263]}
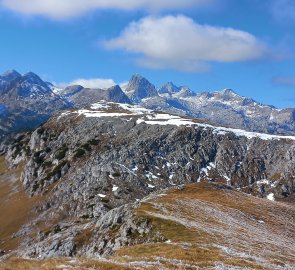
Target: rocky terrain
{"type": "Point", "coordinates": [26, 102]}
{"type": "Point", "coordinates": [91, 192]}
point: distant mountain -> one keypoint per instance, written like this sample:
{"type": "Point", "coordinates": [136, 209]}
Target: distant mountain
{"type": "Point", "coordinates": [83, 97]}
{"type": "Point", "coordinates": [171, 90]}
{"type": "Point", "coordinates": [140, 88]}
{"type": "Point", "coordinates": [26, 101]}
{"type": "Point", "coordinates": [222, 107]}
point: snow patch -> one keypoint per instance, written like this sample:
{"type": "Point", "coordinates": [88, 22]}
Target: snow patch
{"type": "Point", "coordinates": [115, 188]}
{"type": "Point", "coordinates": [270, 197]}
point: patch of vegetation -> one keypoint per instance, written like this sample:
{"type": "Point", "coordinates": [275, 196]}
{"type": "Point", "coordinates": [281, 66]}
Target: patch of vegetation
{"type": "Point", "coordinates": [79, 152]}
{"type": "Point", "coordinates": [86, 146]}
{"type": "Point", "coordinates": [35, 186]}
{"type": "Point", "coordinates": [82, 238]}
{"type": "Point", "coordinates": [275, 177]}
{"type": "Point", "coordinates": [105, 200]}
{"type": "Point", "coordinates": [93, 141]}
{"type": "Point", "coordinates": [116, 174]}
{"type": "Point", "coordinates": [47, 149]}
{"type": "Point", "coordinates": [17, 150]}
{"type": "Point", "coordinates": [47, 164]}
{"type": "Point", "coordinates": [38, 158]}
{"type": "Point", "coordinates": [40, 130]}
{"type": "Point", "coordinates": [55, 171]}
{"type": "Point", "coordinates": [61, 152]}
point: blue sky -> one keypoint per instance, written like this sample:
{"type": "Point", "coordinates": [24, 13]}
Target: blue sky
{"type": "Point", "coordinates": [246, 45]}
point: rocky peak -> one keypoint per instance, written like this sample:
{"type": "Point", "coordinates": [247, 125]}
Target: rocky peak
{"type": "Point", "coordinates": [116, 94]}
{"type": "Point", "coordinates": [10, 75]}
{"type": "Point", "coordinates": [34, 79]}
{"type": "Point", "coordinates": [185, 92]}
{"type": "Point", "coordinates": [169, 88]}
{"type": "Point", "coordinates": [139, 88]}
{"type": "Point", "coordinates": [71, 90]}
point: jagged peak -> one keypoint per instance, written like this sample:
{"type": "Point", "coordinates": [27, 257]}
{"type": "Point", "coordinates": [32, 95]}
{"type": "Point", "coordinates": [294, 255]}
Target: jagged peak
{"type": "Point", "coordinates": [10, 74]}
{"type": "Point", "coordinates": [115, 87]}
{"type": "Point", "coordinates": [137, 78]}
{"type": "Point", "coordinates": [31, 75]}
{"type": "Point", "coordinates": [228, 91]}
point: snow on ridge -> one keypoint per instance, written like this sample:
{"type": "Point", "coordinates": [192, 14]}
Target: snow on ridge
{"type": "Point", "coordinates": [179, 121]}
{"type": "Point", "coordinates": [98, 114]}
{"type": "Point", "coordinates": [97, 106]}
{"type": "Point", "coordinates": [134, 108]}
{"type": "Point", "coordinates": [153, 118]}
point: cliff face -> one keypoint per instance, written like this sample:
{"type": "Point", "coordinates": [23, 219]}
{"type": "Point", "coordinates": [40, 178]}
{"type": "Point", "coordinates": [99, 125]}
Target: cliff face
{"type": "Point", "coordinates": [84, 163]}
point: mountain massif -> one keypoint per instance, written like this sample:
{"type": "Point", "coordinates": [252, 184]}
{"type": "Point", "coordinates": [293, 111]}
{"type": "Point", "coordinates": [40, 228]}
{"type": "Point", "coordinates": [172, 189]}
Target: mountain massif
{"type": "Point", "coordinates": [27, 101]}
{"type": "Point", "coordinates": [143, 178]}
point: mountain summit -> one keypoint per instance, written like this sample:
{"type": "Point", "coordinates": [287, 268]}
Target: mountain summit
{"type": "Point", "coordinates": [140, 88]}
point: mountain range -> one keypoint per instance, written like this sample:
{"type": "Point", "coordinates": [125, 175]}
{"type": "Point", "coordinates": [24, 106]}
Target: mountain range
{"type": "Point", "coordinates": [26, 101]}
{"type": "Point", "coordinates": [137, 177]}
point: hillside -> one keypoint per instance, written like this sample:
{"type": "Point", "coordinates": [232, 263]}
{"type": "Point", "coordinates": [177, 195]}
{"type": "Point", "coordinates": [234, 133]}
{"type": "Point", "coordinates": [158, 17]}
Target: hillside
{"type": "Point", "coordinates": [198, 226]}
{"type": "Point", "coordinates": [85, 187]}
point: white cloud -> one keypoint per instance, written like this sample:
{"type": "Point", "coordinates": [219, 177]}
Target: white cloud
{"type": "Point", "coordinates": [178, 42]}
{"type": "Point", "coordinates": [90, 83]}
{"type": "Point", "coordinates": [61, 9]}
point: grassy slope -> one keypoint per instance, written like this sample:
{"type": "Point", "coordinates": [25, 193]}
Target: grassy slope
{"type": "Point", "coordinates": [204, 225]}
{"type": "Point", "coordinates": [15, 206]}
{"type": "Point", "coordinates": [207, 224]}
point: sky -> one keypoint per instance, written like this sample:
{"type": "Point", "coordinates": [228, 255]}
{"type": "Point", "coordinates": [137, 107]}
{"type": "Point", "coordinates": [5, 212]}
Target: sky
{"type": "Point", "coordinates": [208, 45]}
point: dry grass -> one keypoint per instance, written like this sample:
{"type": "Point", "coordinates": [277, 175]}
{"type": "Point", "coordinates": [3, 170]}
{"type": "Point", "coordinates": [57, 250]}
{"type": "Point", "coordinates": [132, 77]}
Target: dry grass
{"type": "Point", "coordinates": [60, 263]}
{"type": "Point", "coordinates": [209, 224]}
{"type": "Point", "coordinates": [201, 225]}
{"type": "Point", "coordinates": [15, 206]}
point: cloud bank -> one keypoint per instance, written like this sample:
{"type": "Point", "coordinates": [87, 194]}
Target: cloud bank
{"type": "Point", "coordinates": [90, 83]}
{"type": "Point", "coordinates": [62, 9]}
{"type": "Point", "coordinates": [178, 42]}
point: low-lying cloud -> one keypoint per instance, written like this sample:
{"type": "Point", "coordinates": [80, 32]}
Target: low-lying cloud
{"type": "Point", "coordinates": [62, 9]}
{"type": "Point", "coordinates": [180, 43]}
{"type": "Point", "coordinates": [90, 83]}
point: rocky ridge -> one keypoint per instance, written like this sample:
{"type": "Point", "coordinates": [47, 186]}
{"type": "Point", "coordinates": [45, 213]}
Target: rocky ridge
{"type": "Point", "coordinates": [83, 165]}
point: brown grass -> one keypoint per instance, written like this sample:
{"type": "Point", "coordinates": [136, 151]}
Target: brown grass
{"type": "Point", "coordinates": [15, 206]}
{"type": "Point", "coordinates": [196, 241]}
{"type": "Point", "coordinates": [54, 264]}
